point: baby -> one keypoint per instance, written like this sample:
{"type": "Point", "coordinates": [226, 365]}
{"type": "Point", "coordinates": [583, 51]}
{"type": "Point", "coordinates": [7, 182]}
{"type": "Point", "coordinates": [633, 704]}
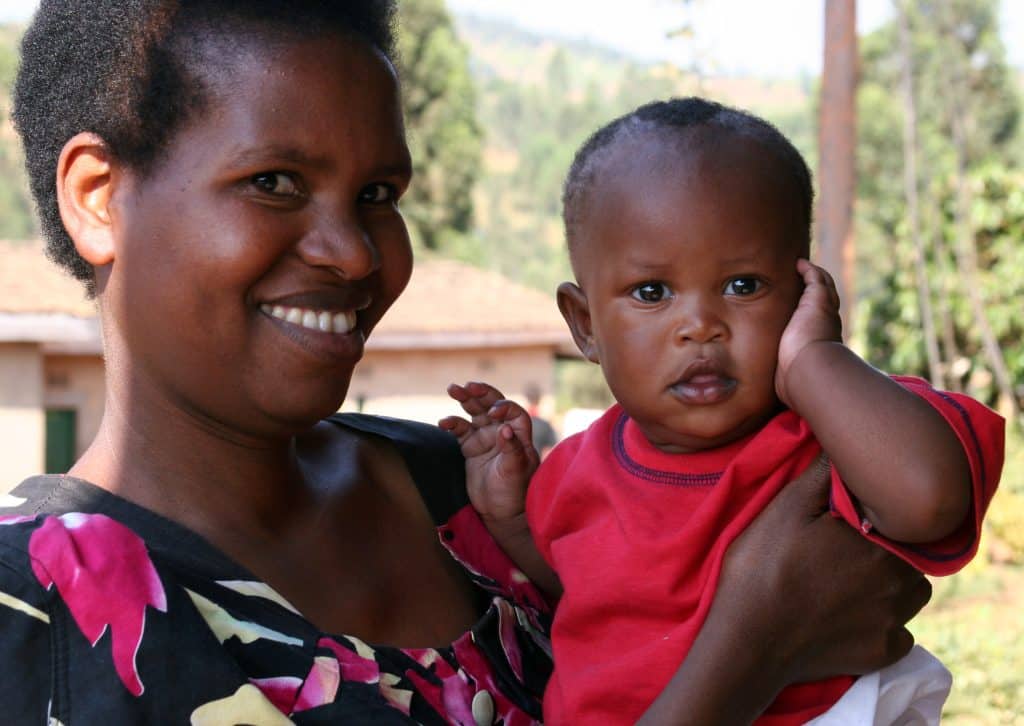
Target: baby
{"type": "Point", "coordinates": [688, 226]}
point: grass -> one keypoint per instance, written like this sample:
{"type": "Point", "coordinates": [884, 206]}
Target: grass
{"type": "Point", "coordinates": [975, 625]}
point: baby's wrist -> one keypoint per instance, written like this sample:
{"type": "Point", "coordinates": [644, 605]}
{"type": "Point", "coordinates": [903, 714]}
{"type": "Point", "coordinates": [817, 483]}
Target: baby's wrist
{"type": "Point", "coordinates": [810, 360]}
{"type": "Point", "coordinates": [506, 526]}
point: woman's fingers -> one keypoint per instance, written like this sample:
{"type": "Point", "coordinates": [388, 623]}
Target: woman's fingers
{"type": "Point", "coordinates": [829, 600]}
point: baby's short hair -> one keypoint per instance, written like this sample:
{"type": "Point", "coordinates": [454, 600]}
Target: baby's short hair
{"type": "Point", "coordinates": [127, 71]}
{"type": "Point", "coordinates": [669, 117]}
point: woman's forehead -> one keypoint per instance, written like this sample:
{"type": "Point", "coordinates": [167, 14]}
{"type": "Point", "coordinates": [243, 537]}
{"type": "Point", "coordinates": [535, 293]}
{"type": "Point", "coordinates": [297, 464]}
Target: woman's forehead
{"type": "Point", "coordinates": [310, 98]}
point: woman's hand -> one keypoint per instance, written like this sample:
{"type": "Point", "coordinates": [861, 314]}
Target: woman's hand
{"type": "Point", "coordinates": [802, 596]}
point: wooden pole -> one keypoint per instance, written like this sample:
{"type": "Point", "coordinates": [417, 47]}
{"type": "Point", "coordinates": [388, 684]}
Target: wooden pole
{"type": "Point", "coordinates": [837, 139]}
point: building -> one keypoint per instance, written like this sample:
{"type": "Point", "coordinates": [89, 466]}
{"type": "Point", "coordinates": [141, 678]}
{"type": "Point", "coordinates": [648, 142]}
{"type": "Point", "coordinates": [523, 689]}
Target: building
{"type": "Point", "coordinates": [453, 323]}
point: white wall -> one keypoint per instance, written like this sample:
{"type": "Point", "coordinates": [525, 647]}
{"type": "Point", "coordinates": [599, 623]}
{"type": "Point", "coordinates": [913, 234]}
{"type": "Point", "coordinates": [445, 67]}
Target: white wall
{"type": "Point", "coordinates": [22, 418]}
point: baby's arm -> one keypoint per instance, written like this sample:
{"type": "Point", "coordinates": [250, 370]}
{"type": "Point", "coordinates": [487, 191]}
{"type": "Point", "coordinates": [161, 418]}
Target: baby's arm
{"type": "Point", "coordinates": [500, 459]}
{"type": "Point", "coordinates": [893, 450]}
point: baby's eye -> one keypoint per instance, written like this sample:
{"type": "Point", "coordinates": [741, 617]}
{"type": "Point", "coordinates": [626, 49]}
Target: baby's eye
{"type": "Point", "coordinates": [743, 286]}
{"type": "Point", "coordinates": [276, 183]}
{"type": "Point", "coordinates": [378, 193]}
{"type": "Point", "coordinates": [651, 292]}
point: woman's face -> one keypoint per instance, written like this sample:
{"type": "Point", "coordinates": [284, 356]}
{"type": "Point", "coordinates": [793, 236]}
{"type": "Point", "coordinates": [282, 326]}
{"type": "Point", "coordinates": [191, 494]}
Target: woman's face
{"type": "Point", "coordinates": [264, 246]}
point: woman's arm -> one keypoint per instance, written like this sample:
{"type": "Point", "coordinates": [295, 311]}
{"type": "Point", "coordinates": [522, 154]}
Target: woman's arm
{"type": "Point", "coordinates": [802, 597]}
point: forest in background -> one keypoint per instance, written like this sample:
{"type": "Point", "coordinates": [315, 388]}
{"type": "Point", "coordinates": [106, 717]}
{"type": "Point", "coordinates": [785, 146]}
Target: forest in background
{"type": "Point", "coordinates": [495, 115]}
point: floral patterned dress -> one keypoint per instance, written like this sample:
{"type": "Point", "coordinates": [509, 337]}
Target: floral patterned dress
{"type": "Point", "coordinates": [111, 614]}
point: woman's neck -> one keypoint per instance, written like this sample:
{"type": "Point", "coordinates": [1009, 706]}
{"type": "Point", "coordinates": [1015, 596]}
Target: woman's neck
{"type": "Point", "coordinates": [171, 462]}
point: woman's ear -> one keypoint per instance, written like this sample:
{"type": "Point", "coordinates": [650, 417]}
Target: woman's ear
{"type": "Point", "coordinates": [572, 301]}
{"type": "Point", "coordinates": [85, 186]}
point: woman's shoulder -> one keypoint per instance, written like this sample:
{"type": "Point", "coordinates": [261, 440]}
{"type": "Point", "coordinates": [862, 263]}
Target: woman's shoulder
{"type": "Point", "coordinates": [431, 455]}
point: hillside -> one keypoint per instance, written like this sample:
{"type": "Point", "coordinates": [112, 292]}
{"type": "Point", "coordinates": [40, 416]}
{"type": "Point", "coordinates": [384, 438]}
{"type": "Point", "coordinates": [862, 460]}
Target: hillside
{"type": "Point", "coordinates": [539, 98]}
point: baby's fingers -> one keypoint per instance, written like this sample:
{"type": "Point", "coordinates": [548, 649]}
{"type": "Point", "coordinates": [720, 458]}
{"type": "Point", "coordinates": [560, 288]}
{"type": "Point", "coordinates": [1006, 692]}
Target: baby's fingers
{"type": "Point", "coordinates": [476, 398]}
{"type": "Point", "coordinates": [817, 280]}
{"type": "Point", "coordinates": [517, 457]}
{"type": "Point", "coordinates": [458, 426]}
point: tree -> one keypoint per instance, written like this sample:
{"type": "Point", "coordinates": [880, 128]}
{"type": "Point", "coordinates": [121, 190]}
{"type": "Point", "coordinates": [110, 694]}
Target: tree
{"type": "Point", "coordinates": [440, 110]}
{"type": "Point", "coordinates": [837, 139]}
{"type": "Point", "coordinates": [910, 184]}
{"type": "Point", "coordinates": [16, 219]}
{"type": "Point", "coordinates": [959, 129]}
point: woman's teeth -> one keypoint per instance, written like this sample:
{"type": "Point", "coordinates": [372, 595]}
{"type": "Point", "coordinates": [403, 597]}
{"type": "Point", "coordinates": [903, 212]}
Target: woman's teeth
{"type": "Point", "coordinates": [322, 320]}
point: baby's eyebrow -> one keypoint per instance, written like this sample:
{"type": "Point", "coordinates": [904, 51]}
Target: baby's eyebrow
{"type": "Point", "coordinates": [648, 266]}
{"type": "Point", "coordinates": [750, 259]}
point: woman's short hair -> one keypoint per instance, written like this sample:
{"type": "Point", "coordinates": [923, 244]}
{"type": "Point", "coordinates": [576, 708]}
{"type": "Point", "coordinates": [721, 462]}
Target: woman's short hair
{"type": "Point", "coordinates": [131, 72]}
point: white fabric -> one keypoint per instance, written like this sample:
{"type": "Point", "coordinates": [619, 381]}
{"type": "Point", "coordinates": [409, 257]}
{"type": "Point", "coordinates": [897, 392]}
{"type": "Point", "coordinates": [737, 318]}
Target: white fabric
{"type": "Point", "coordinates": [910, 692]}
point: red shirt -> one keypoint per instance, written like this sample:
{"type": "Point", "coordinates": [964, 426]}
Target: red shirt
{"type": "Point", "coordinates": [637, 537]}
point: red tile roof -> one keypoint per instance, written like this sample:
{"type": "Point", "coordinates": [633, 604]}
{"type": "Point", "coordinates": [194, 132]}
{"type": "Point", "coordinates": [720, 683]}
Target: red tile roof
{"type": "Point", "coordinates": [30, 283]}
{"type": "Point", "coordinates": [446, 296]}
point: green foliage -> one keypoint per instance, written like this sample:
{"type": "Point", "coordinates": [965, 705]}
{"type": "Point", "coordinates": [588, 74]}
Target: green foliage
{"type": "Point", "coordinates": [16, 219]}
{"type": "Point", "coordinates": [961, 627]}
{"type": "Point", "coordinates": [440, 109]}
{"type": "Point", "coordinates": [959, 68]}
{"type": "Point", "coordinates": [1005, 519]}
{"type": "Point", "coordinates": [581, 385]}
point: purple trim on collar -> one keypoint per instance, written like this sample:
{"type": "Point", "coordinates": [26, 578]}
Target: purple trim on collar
{"type": "Point", "coordinates": [655, 475]}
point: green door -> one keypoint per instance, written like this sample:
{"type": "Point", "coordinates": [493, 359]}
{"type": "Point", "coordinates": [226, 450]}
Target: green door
{"type": "Point", "coordinates": [60, 440]}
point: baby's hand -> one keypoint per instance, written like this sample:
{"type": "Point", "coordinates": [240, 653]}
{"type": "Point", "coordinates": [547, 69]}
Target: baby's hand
{"type": "Point", "coordinates": [815, 319]}
{"type": "Point", "coordinates": [498, 446]}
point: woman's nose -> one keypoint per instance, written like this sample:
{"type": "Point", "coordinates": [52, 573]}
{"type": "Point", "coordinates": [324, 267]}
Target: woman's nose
{"type": "Point", "coordinates": [343, 245]}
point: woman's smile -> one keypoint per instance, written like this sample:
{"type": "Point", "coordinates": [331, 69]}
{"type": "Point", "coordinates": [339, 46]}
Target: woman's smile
{"type": "Point", "coordinates": [326, 334]}
{"type": "Point", "coordinates": [325, 321]}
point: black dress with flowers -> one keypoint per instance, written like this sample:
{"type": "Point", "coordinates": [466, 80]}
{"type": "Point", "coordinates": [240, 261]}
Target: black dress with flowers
{"type": "Point", "coordinates": [111, 614]}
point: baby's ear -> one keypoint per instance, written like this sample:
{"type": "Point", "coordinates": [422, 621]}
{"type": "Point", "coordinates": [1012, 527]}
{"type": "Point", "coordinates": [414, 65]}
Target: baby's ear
{"type": "Point", "coordinates": [85, 183]}
{"type": "Point", "coordinates": [572, 301]}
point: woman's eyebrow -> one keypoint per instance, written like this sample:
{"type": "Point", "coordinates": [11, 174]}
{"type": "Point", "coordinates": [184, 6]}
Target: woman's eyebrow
{"type": "Point", "coordinates": [279, 153]}
{"type": "Point", "coordinates": [276, 154]}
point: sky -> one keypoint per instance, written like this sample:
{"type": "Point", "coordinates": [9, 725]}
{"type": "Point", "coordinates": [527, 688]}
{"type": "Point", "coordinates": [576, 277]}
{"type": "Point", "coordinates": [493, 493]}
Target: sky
{"type": "Point", "coordinates": [769, 38]}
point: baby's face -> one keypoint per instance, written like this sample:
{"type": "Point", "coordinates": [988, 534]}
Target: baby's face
{"type": "Point", "coordinates": [687, 259]}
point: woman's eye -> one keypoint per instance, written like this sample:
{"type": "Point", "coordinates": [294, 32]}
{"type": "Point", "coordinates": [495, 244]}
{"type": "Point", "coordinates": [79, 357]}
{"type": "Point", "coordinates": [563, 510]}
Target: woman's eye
{"type": "Point", "coordinates": [651, 292]}
{"type": "Point", "coordinates": [742, 286]}
{"type": "Point", "coordinates": [378, 193]}
{"type": "Point", "coordinates": [276, 183]}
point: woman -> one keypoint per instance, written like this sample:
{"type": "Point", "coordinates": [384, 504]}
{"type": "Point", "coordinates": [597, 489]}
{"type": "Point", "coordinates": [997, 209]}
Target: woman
{"type": "Point", "coordinates": [223, 176]}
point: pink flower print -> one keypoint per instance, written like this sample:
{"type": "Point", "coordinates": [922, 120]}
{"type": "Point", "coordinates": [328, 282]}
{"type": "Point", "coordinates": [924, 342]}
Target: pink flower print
{"type": "Point", "coordinates": [320, 686]}
{"type": "Point", "coordinates": [398, 698]}
{"type": "Point", "coordinates": [105, 576]}
{"type": "Point", "coordinates": [280, 691]}
{"type": "Point", "coordinates": [507, 635]}
{"type": "Point", "coordinates": [17, 518]}
{"type": "Point", "coordinates": [473, 547]}
{"type": "Point", "coordinates": [472, 659]}
{"type": "Point", "coordinates": [355, 666]}
{"type": "Point", "coordinates": [452, 698]}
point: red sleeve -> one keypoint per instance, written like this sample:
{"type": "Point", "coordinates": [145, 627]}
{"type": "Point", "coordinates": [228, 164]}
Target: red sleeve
{"type": "Point", "coordinates": [981, 433]}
